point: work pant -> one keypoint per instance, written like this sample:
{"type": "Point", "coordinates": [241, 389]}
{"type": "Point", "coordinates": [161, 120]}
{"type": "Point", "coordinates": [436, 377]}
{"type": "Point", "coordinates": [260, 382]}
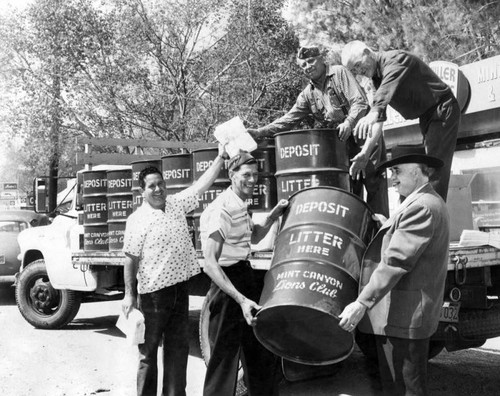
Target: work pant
{"type": "Point", "coordinates": [234, 340]}
{"type": "Point", "coordinates": [403, 365]}
{"type": "Point", "coordinates": [166, 314]}
{"type": "Point", "coordinates": [375, 183]}
{"type": "Point", "coordinates": [439, 126]}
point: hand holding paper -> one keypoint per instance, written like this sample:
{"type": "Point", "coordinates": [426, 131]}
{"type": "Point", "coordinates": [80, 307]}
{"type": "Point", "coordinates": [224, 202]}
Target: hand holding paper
{"type": "Point", "coordinates": [234, 133]}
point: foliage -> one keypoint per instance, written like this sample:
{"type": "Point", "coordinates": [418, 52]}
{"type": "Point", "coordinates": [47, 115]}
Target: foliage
{"type": "Point", "coordinates": [461, 31]}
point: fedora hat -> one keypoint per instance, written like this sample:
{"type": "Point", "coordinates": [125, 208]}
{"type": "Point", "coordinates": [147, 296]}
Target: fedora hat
{"type": "Point", "coordinates": [411, 154]}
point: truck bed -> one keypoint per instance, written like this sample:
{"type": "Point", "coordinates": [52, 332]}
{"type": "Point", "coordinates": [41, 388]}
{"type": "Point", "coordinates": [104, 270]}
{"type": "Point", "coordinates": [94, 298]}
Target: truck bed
{"type": "Point", "coordinates": [471, 257]}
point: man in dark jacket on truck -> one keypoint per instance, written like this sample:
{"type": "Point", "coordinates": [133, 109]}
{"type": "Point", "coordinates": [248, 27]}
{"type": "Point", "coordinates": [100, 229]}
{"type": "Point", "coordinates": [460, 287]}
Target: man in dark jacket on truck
{"type": "Point", "coordinates": [405, 82]}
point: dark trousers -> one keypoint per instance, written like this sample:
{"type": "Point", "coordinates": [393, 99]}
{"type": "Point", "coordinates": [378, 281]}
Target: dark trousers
{"type": "Point", "coordinates": [375, 183]}
{"type": "Point", "coordinates": [234, 340]}
{"type": "Point", "coordinates": [439, 127]}
{"type": "Point", "coordinates": [403, 365]}
{"type": "Point", "coordinates": [166, 314]}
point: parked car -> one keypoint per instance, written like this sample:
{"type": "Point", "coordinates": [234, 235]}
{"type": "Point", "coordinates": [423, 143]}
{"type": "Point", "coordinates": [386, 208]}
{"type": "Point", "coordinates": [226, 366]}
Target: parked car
{"type": "Point", "coordinates": [12, 222]}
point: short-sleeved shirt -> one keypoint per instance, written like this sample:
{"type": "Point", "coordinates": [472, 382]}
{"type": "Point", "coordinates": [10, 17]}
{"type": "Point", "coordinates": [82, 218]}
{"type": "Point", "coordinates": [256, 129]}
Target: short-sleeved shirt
{"type": "Point", "coordinates": [228, 214]}
{"type": "Point", "coordinates": [161, 241]}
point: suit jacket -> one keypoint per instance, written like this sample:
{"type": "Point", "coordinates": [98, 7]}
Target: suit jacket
{"type": "Point", "coordinates": [404, 269]}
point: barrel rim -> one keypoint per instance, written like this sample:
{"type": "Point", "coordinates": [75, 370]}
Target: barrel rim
{"type": "Point", "coordinates": [296, 131]}
{"type": "Point", "coordinates": [125, 168]}
{"type": "Point", "coordinates": [176, 155]}
{"type": "Point", "coordinates": [294, 358]}
{"type": "Point", "coordinates": [332, 188]}
{"type": "Point", "coordinates": [304, 171]}
{"type": "Point", "coordinates": [145, 161]}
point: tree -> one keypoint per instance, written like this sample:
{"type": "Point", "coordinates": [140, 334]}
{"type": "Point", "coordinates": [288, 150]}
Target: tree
{"type": "Point", "coordinates": [461, 31]}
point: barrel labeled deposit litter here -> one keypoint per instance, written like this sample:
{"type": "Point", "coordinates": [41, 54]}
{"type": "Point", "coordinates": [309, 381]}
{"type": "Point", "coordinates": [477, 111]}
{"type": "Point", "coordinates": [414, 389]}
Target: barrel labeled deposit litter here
{"type": "Point", "coordinates": [310, 158]}
{"type": "Point", "coordinates": [313, 275]}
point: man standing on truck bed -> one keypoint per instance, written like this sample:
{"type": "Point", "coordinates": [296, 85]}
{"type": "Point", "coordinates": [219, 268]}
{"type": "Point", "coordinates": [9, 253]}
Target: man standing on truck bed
{"type": "Point", "coordinates": [411, 87]}
{"type": "Point", "coordinates": [226, 233]}
{"type": "Point", "coordinates": [335, 100]}
{"type": "Point", "coordinates": [403, 276]}
{"type": "Point", "coordinates": [160, 259]}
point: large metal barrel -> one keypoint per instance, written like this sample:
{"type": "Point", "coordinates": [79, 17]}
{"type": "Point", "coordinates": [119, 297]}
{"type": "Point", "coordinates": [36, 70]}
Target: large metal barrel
{"type": "Point", "coordinates": [264, 196]}
{"type": "Point", "coordinates": [95, 210]}
{"type": "Point", "coordinates": [177, 171]}
{"type": "Point", "coordinates": [202, 160]}
{"type": "Point", "coordinates": [310, 158]}
{"type": "Point", "coordinates": [314, 274]}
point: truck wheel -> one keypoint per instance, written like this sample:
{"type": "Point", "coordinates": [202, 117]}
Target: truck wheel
{"type": "Point", "coordinates": [206, 344]}
{"type": "Point", "coordinates": [40, 304]}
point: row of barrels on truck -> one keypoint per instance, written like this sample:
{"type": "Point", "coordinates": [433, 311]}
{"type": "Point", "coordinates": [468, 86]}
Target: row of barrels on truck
{"type": "Point", "coordinates": [289, 163]}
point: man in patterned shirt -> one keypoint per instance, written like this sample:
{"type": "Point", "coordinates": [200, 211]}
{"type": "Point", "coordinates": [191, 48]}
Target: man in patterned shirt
{"type": "Point", "coordinates": [159, 260]}
{"type": "Point", "coordinates": [335, 100]}
{"type": "Point", "coordinates": [226, 233]}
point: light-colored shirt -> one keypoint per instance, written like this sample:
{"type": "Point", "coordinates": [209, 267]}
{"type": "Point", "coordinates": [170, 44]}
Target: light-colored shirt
{"type": "Point", "coordinates": [323, 103]}
{"type": "Point", "coordinates": [161, 241]}
{"type": "Point", "coordinates": [228, 215]}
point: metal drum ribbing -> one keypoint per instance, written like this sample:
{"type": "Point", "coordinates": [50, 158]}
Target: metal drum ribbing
{"type": "Point", "coordinates": [202, 160]}
{"type": "Point", "coordinates": [314, 274]}
{"type": "Point", "coordinates": [310, 158]}
{"type": "Point", "coordinates": [177, 171]}
{"type": "Point", "coordinates": [138, 166]}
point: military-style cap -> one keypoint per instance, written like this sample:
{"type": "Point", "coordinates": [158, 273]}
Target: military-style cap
{"type": "Point", "coordinates": [240, 159]}
{"type": "Point", "coordinates": [308, 52]}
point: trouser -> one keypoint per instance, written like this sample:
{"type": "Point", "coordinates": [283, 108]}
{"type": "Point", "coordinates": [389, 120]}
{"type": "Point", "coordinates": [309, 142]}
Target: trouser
{"type": "Point", "coordinates": [403, 365]}
{"type": "Point", "coordinates": [234, 340]}
{"type": "Point", "coordinates": [374, 182]}
{"type": "Point", "coordinates": [166, 315]}
{"type": "Point", "coordinates": [439, 127]}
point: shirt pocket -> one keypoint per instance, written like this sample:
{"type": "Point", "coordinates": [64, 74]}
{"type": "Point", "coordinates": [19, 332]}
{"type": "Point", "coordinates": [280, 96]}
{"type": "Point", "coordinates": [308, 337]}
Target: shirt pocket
{"type": "Point", "coordinates": [406, 309]}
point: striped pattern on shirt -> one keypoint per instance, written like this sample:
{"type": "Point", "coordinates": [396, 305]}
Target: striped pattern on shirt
{"type": "Point", "coordinates": [228, 215]}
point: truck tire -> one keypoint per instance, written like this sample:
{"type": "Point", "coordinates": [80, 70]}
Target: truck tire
{"type": "Point", "coordinates": [40, 304]}
{"type": "Point", "coordinates": [206, 345]}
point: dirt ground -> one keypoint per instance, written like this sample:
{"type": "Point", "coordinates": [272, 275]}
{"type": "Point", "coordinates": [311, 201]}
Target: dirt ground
{"type": "Point", "coordinates": [90, 356]}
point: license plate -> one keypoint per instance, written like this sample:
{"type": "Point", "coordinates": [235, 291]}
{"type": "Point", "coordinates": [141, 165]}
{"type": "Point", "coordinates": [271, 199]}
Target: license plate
{"type": "Point", "coordinates": [449, 312]}
{"type": "Point", "coordinates": [2, 259]}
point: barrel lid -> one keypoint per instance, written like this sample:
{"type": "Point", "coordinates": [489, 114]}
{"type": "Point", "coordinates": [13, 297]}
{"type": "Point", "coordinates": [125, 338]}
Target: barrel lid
{"type": "Point", "coordinates": [297, 131]}
{"type": "Point", "coordinates": [124, 168]}
{"type": "Point", "coordinates": [145, 161]}
{"type": "Point", "coordinates": [181, 155]}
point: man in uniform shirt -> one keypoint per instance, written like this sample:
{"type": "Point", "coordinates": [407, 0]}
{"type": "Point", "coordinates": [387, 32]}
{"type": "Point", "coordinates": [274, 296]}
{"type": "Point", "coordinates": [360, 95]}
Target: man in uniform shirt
{"type": "Point", "coordinates": [405, 82]}
{"type": "Point", "coordinates": [335, 100]}
{"type": "Point", "coordinates": [226, 233]}
{"type": "Point", "coordinates": [159, 260]}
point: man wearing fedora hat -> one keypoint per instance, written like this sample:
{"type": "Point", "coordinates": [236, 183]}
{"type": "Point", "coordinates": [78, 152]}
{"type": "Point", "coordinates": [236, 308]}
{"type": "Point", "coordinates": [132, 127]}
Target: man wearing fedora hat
{"type": "Point", "coordinates": [335, 100]}
{"type": "Point", "coordinates": [403, 275]}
